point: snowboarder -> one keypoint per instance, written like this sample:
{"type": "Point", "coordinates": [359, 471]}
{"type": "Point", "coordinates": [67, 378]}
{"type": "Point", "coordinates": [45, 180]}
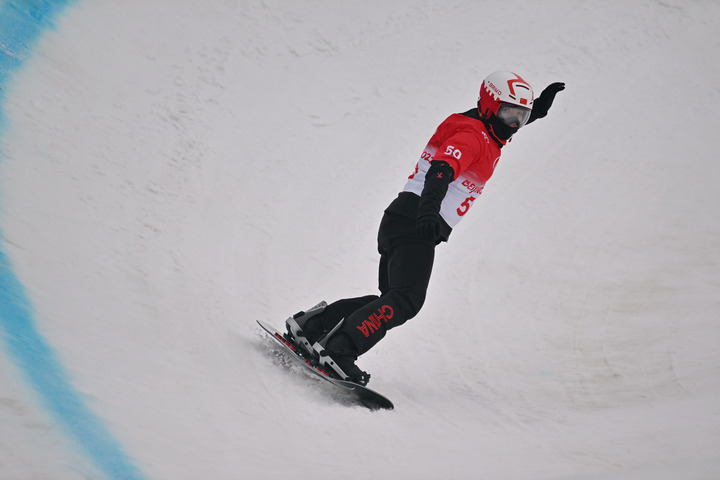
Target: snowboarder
{"type": "Point", "coordinates": [449, 176]}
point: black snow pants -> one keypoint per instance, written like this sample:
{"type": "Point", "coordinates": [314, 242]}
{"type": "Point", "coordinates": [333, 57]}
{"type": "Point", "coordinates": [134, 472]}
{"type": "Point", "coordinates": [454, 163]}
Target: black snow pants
{"type": "Point", "coordinates": [406, 263]}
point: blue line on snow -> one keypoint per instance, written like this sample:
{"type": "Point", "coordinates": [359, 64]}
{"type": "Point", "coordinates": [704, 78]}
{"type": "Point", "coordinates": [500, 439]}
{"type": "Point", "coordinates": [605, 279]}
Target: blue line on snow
{"type": "Point", "coordinates": [21, 23]}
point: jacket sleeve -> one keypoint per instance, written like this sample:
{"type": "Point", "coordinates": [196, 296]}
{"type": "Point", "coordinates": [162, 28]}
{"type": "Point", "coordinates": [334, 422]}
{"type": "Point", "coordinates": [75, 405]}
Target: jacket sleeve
{"type": "Point", "coordinates": [437, 179]}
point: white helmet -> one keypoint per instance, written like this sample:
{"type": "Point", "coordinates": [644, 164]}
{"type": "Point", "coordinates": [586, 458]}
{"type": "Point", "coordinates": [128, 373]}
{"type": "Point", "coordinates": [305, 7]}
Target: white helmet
{"type": "Point", "coordinates": [505, 101]}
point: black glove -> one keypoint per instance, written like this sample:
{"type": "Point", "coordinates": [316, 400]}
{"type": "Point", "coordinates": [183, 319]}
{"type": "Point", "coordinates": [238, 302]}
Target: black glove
{"type": "Point", "coordinates": [428, 227]}
{"type": "Point", "coordinates": [542, 104]}
{"type": "Point", "coordinates": [428, 222]}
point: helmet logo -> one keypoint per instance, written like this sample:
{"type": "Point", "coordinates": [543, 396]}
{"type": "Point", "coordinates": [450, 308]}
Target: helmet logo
{"type": "Point", "coordinates": [495, 89]}
{"type": "Point", "coordinates": [520, 83]}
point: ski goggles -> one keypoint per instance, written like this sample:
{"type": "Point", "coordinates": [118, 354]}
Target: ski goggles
{"type": "Point", "coordinates": [513, 115]}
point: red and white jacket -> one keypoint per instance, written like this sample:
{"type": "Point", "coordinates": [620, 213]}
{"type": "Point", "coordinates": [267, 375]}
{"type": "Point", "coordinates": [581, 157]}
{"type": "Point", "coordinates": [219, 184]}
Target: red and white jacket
{"type": "Point", "coordinates": [464, 143]}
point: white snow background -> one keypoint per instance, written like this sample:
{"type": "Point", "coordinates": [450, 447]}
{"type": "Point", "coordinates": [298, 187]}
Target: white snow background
{"type": "Point", "coordinates": [172, 171]}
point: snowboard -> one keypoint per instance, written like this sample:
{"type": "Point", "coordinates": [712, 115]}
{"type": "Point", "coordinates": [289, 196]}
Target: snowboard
{"type": "Point", "coordinates": [356, 393]}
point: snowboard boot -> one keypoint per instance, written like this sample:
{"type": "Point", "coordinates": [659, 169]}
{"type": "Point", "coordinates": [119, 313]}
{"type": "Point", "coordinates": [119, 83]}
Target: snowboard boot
{"type": "Point", "coordinates": [337, 352]}
{"type": "Point", "coordinates": [299, 332]}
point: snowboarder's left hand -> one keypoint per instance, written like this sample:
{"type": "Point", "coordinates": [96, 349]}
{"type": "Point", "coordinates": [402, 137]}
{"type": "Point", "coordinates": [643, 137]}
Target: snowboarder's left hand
{"type": "Point", "coordinates": [542, 104]}
{"type": "Point", "coordinates": [428, 227]}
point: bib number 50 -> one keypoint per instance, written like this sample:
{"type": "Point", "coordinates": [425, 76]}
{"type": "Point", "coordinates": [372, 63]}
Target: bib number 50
{"type": "Point", "coordinates": [453, 151]}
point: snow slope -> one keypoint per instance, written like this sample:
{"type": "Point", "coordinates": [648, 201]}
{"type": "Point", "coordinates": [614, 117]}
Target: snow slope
{"type": "Point", "coordinates": [172, 170]}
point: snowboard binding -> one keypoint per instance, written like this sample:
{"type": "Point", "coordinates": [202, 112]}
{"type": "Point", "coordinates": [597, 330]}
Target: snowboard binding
{"type": "Point", "coordinates": [295, 333]}
{"type": "Point", "coordinates": [338, 359]}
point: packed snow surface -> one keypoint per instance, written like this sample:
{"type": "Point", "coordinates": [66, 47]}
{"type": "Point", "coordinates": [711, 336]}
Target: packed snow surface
{"type": "Point", "coordinates": [171, 171]}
